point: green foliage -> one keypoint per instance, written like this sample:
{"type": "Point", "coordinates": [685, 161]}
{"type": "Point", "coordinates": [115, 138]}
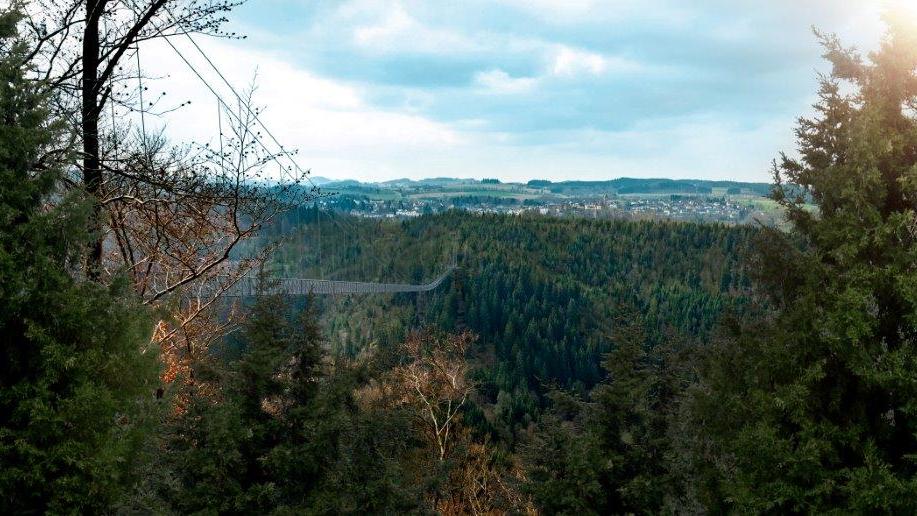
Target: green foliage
{"type": "Point", "coordinates": [75, 379]}
{"type": "Point", "coordinates": [287, 436]}
{"type": "Point", "coordinates": [812, 409]}
{"type": "Point", "coordinates": [614, 453]}
{"type": "Point", "coordinates": [544, 294]}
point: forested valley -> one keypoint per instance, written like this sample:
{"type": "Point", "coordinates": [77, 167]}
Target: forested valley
{"type": "Point", "coordinates": [546, 297]}
{"type": "Point", "coordinates": [565, 365]}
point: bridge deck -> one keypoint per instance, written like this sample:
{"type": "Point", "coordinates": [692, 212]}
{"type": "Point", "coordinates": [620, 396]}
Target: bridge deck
{"type": "Point", "coordinates": [303, 286]}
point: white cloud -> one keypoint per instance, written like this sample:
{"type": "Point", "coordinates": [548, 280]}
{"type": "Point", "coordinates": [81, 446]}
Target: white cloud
{"type": "Point", "coordinates": [566, 61]}
{"type": "Point", "coordinates": [499, 82]}
{"type": "Point", "coordinates": [570, 12]}
{"type": "Point", "coordinates": [393, 29]}
{"type": "Point", "coordinates": [556, 9]}
{"type": "Point", "coordinates": [570, 62]}
{"type": "Point", "coordinates": [395, 24]}
{"type": "Point", "coordinates": [327, 121]}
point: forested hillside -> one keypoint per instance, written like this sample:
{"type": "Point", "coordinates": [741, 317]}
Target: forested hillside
{"type": "Point", "coordinates": [546, 296]}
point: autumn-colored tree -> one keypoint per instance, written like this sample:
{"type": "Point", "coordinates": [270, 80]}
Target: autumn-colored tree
{"type": "Point", "coordinates": [469, 476]}
{"type": "Point", "coordinates": [434, 380]}
{"type": "Point", "coordinates": [173, 217]}
{"type": "Point", "coordinates": [486, 481]}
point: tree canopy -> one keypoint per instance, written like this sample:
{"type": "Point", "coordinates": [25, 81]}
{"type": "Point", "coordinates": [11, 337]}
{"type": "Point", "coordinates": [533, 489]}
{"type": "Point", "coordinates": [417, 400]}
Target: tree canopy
{"type": "Point", "coordinates": [75, 384]}
{"type": "Point", "coordinates": [812, 407]}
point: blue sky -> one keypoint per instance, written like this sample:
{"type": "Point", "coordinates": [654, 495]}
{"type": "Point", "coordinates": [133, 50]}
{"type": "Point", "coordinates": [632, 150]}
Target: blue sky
{"type": "Point", "coordinates": [521, 89]}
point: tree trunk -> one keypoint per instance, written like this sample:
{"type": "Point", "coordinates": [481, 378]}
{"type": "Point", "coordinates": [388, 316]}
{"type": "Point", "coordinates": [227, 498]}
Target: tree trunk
{"type": "Point", "coordinates": [92, 171]}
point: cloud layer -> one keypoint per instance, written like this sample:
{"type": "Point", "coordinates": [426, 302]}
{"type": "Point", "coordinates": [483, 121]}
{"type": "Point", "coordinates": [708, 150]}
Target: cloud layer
{"type": "Point", "coordinates": [522, 89]}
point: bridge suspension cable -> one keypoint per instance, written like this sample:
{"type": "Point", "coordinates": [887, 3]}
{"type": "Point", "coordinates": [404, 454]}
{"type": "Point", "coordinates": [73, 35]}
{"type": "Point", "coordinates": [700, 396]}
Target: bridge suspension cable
{"type": "Point", "coordinates": [289, 286]}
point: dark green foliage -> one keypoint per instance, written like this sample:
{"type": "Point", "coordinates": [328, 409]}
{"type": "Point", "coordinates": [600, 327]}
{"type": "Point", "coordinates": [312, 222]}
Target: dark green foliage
{"type": "Point", "coordinates": [614, 453]}
{"type": "Point", "coordinates": [812, 409]}
{"type": "Point", "coordinates": [542, 293]}
{"type": "Point", "coordinates": [75, 379]}
{"type": "Point", "coordinates": [286, 436]}
{"type": "Point", "coordinates": [564, 470]}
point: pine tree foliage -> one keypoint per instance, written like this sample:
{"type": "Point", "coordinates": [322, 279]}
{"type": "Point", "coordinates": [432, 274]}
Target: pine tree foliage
{"type": "Point", "coordinates": [815, 407]}
{"type": "Point", "coordinates": [75, 380]}
{"type": "Point", "coordinates": [541, 293]}
{"type": "Point", "coordinates": [613, 453]}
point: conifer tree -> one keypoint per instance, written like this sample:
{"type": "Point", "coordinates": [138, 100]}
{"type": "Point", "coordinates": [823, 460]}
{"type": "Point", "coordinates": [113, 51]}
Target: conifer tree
{"type": "Point", "coordinates": [74, 381]}
{"type": "Point", "coordinates": [814, 407]}
{"type": "Point", "coordinates": [612, 453]}
{"type": "Point", "coordinates": [285, 436]}
{"type": "Point", "coordinates": [222, 448]}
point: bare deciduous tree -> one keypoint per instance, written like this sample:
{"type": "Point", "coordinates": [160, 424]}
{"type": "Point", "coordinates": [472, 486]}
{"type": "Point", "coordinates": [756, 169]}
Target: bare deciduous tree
{"type": "Point", "coordinates": [80, 48]}
{"type": "Point", "coordinates": [434, 379]}
{"type": "Point", "coordinates": [189, 236]}
{"type": "Point", "coordinates": [180, 220]}
{"type": "Point", "coordinates": [485, 486]}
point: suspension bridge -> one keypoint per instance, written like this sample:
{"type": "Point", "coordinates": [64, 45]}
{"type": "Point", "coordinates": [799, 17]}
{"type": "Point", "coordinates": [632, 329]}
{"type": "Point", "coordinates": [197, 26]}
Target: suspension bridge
{"type": "Point", "coordinates": [249, 286]}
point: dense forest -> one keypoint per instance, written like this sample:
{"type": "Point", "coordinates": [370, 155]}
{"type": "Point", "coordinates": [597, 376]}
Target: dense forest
{"type": "Point", "coordinates": [567, 366]}
{"type": "Point", "coordinates": [545, 296]}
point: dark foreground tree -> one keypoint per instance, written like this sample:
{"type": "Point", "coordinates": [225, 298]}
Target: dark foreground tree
{"type": "Point", "coordinates": [814, 408]}
{"type": "Point", "coordinates": [74, 379]}
{"type": "Point", "coordinates": [613, 453]}
{"type": "Point", "coordinates": [285, 434]}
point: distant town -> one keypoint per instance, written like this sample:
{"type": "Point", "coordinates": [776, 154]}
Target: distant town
{"type": "Point", "coordinates": [637, 199]}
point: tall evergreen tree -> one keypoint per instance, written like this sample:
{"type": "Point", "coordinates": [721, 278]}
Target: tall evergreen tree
{"type": "Point", "coordinates": [223, 448]}
{"type": "Point", "coordinates": [814, 407]}
{"type": "Point", "coordinates": [285, 435]}
{"type": "Point", "coordinates": [74, 383]}
{"type": "Point", "coordinates": [612, 454]}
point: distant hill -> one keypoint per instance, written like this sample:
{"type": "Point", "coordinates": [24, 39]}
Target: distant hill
{"type": "Point", "coordinates": [627, 185]}
{"type": "Point", "coordinates": [620, 186]}
{"type": "Point", "coordinates": [430, 181]}
{"type": "Point", "coordinates": [320, 180]}
{"type": "Point", "coordinates": [344, 183]}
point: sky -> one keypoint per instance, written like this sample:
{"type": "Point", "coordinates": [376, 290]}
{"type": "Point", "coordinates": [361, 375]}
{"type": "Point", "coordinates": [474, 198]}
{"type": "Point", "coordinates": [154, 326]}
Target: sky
{"type": "Point", "coordinates": [520, 89]}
